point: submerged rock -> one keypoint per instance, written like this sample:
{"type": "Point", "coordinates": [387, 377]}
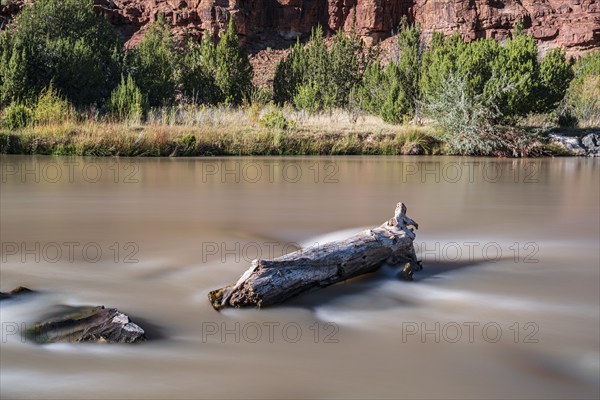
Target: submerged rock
{"type": "Point", "coordinates": [88, 324]}
{"type": "Point", "coordinates": [16, 292]}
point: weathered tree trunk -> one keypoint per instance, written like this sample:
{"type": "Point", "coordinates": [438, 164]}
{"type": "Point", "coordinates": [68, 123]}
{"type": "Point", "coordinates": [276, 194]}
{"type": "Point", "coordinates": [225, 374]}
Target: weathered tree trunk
{"type": "Point", "coordinates": [273, 281]}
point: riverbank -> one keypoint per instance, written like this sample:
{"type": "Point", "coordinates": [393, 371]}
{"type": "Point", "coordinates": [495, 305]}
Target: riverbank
{"type": "Point", "coordinates": [256, 131]}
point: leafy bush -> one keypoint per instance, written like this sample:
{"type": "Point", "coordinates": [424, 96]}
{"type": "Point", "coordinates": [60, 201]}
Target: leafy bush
{"type": "Point", "coordinates": [328, 74]}
{"type": "Point", "coordinates": [153, 64]}
{"type": "Point", "coordinates": [126, 101]}
{"type": "Point", "coordinates": [308, 97]}
{"type": "Point", "coordinates": [582, 101]}
{"type": "Point", "coordinates": [392, 92]}
{"type": "Point", "coordinates": [261, 95]}
{"type": "Point", "coordinates": [274, 119]}
{"type": "Point", "coordinates": [17, 115]}
{"type": "Point", "coordinates": [61, 41]}
{"type": "Point", "coordinates": [234, 72]}
{"type": "Point", "coordinates": [510, 74]}
{"type": "Point", "coordinates": [555, 76]}
{"type": "Point", "coordinates": [409, 63]}
{"type": "Point", "coordinates": [383, 91]}
{"type": "Point", "coordinates": [198, 68]}
{"type": "Point", "coordinates": [515, 77]}
{"type": "Point", "coordinates": [217, 74]}
{"type": "Point", "coordinates": [464, 120]}
{"type": "Point", "coordinates": [51, 107]}
{"type": "Point", "coordinates": [188, 140]}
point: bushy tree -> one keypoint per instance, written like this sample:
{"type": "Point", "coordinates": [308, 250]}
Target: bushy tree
{"type": "Point", "coordinates": [474, 63]}
{"type": "Point", "coordinates": [409, 64]}
{"type": "Point", "coordinates": [509, 77]}
{"type": "Point", "coordinates": [289, 74]}
{"type": "Point", "coordinates": [234, 72]}
{"type": "Point", "coordinates": [555, 75]}
{"type": "Point", "coordinates": [463, 119]}
{"type": "Point", "coordinates": [213, 74]}
{"type": "Point", "coordinates": [373, 90]}
{"type": "Point", "coordinates": [127, 101]}
{"type": "Point", "coordinates": [582, 100]}
{"type": "Point", "coordinates": [154, 63]}
{"type": "Point", "coordinates": [440, 61]}
{"type": "Point", "coordinates": [392, 92]}
{"type": "Point", "coordinates": [51, 107]}
{"type": "Point", "coordinates": [59, 41]}
{"type": "Point", "coordinates": [329, 74]}
{"type": "Point", "coordinates": [198, 70]}
{"type": "Point", "coordinates": [515, 77]}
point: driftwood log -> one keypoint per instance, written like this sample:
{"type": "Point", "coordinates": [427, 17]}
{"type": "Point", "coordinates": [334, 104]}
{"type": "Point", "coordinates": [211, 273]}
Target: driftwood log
{"type": "Point", "coordinates": [269, 282]}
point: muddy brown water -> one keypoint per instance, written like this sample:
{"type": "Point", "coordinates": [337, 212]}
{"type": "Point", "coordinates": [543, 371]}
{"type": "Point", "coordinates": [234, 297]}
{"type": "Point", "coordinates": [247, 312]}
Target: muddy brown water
{"type": "Point", "coordinates": [507, 305]}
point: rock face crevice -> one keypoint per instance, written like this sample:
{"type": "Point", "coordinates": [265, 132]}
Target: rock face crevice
{"type": "Point", "coordinates": [571, 24]}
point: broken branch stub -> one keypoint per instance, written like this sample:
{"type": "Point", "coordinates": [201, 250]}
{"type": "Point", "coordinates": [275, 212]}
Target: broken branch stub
{"type": "Point", "coordinates": [269, 282]}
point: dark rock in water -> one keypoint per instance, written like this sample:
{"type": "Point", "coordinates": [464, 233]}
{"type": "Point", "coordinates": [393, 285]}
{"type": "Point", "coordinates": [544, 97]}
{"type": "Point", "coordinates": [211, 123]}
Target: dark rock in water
{"type": "Point", "coordinates": [17, 292]}
{"type": "Point", "coordinates": [591, 142]}
{"type": "Point", "coordinates": [88, 324]}
{"type": "Point", "coordinates": [588, 145]}
{"type": "Point", "coordinates": [570, 144]}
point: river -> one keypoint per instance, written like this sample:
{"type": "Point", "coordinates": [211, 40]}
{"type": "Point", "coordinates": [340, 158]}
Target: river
{"type": "Point", "coordinates": [507, 306]}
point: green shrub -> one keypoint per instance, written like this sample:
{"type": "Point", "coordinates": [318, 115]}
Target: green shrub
{"type": "Point", "coordinates": [274, 119]}
{"type": "Point", "coordinates": [384, 92]}
{"type": "Point", "coordinates": [289, 74]}
{"type": "Point", "coordinates": [60, 41]}
{"type": "Point", "coordinates": [308, 97]}
{"type": "Point", "coordinates": [261, 96]}
{"type": "Point", "coordinates": [330, 74]}
{"type": "Point", "coordinates": [372, 91]}
{"type": "Point", "coordinates": [409, 64]}
{"type": "Point", "coordinates": [234, 72]}
{"type": "Point", "coordinates": [17, 115]}
{"type": "Point", "coordinates": [126, 101]}
{"type": "Point", "coordinates": [398, 105]}
{"type": "Point", "coordinates": [188, 140]}
{"type": "Point", "coordinates": [197, 72]}
{"type": "Point", "coordinates": [582, 100]}
{"type": "Point", "coordinates": [555, 77]}
{"type": "Point", "coordinates": [393, 92]}
{"type": "Point", "coordinates": [510, 76]}
{"type": "Point", "coordinates": [212, 74]}
{"type": "Point", "coordinates": [464, 120]}
{"type": "Point", "coordinates": [153, 64]}
{"type": "Point", "coordinates": [51, 107]}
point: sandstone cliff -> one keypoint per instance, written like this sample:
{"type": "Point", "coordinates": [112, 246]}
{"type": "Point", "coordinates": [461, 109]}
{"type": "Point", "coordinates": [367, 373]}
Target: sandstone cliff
{"type": "Point", "coordinates": [571, 24]}
{"type": "Point", "coordinates": [269, 26]}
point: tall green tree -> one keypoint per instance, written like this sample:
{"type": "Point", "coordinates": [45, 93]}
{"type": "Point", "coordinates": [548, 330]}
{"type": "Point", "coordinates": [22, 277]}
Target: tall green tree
{"type": "Point", "coordinates": [555, 75]}
{"type": "Point", "coordinates": [234, 72]}
{"type": "Point", "coordinates": [409, 64]}
{"type": "Point", "coordinates": [515, 79]}
{"type": "Point", "coordinates": [322, 76]}
{"type": "Point", "coordinates": [198, 69]}
{"type": "Point", "coordinates": [289, 74]}
{"type": "Point", "coordinates": [154, 63]}
{"type": "Point", "coordinates": [63, 42]}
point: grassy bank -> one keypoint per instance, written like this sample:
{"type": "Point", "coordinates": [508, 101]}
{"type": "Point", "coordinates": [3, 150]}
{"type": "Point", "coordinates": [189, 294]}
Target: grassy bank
{"type": "Point", "coordinates": [216, 132]}
{"type": "Point", "coordinates": [254, 130]}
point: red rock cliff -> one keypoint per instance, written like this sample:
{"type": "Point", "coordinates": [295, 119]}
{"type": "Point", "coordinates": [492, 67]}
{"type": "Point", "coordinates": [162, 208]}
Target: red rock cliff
{"type": "Point", "coordinates": [571, 24]}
